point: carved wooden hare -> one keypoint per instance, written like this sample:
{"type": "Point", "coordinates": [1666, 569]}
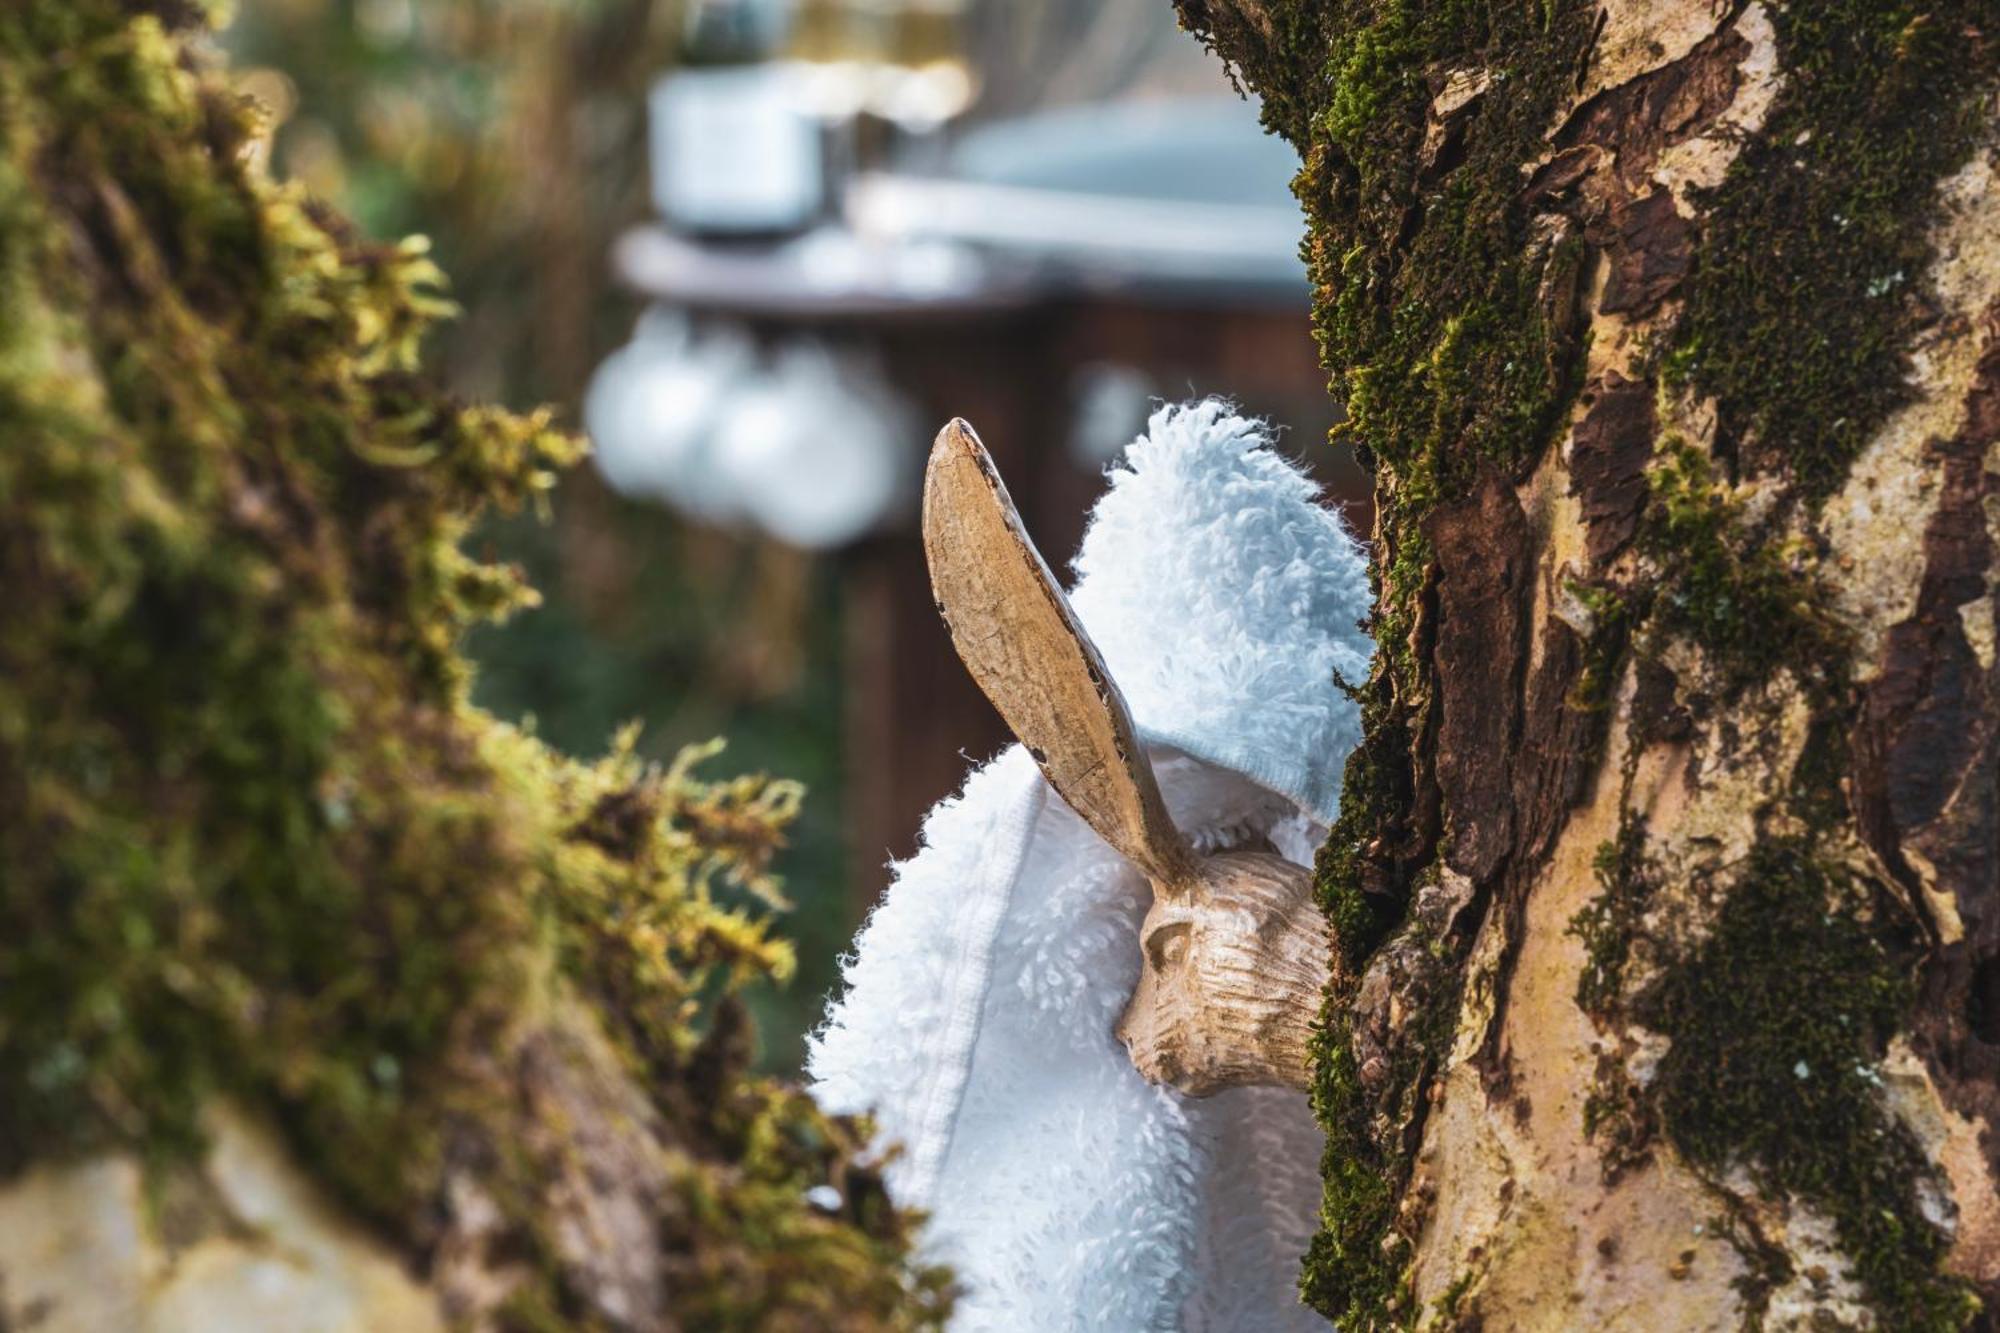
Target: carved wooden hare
{"type": "Point", "coordinates": [1236, 953]}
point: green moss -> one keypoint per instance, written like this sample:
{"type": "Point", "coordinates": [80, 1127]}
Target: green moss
{"type": "Point", "coordinates": [1354, 1269]}
{"type": "Point", "coordinates": [1617, 1117]}
{"type": "Point", "coordinates": [1777, 1014]}
{"type": "Point", "coordinates": [1767, 1266]}
{"type": "Point", "coordinates": [1608, 924]}
{"type": "Point", "coordinates": [1428, 288]}
{"type": "Point", "coordinates": [1352, 1264]}
{"type": "Point", "coordinates": [1776, 1011]}
{"type": "Point", "coordinates": [1777, 1020]}
{"type": "Point", "coordinates": [1752, 604]}
{"type": "Point", "coordinates": [1808, 277]}
{"type": "Point", "coordinates": [1446, 1306]}
{"type": "Point", "coordinates": [255, 844]}
{"type": "Point", "coordinates": [1429, 309]}
{"type": "Point", "coordinates": [1375, 785]}
{"type": "Point", "coordinates": [1612, 617]}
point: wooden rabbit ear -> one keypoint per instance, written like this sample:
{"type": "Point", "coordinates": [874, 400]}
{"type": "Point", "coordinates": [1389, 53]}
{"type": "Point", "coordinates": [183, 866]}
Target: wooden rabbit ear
{"type": "Point", "coordinates": [1018, 636]}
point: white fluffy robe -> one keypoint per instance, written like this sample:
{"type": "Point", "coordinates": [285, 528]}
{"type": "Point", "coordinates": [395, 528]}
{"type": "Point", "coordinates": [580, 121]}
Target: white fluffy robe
{"type": "Point", "coordinates": [976, 1023]}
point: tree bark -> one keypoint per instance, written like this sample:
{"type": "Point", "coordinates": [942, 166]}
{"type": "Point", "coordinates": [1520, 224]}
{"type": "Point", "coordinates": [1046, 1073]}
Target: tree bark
{"type": "Point", "coordinates": [1668, 987]}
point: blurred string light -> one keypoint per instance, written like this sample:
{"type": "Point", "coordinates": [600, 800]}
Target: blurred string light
{"type": "Point", "coordinates": [386, 22]}
{"type": "Point", "coordinates": [763, 106]}
{"type": "Point", "coordinates": [758, 135]}
{"type": "Point", "coordinates": [902, 60]}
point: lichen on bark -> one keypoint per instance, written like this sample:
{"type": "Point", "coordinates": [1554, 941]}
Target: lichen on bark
{"type": "Point", "coordinates": [1799, 313]}
{"type": "Point", "coordinates": [257, 847]}
{"type": "Point", "coordinates": [1776, 1015]}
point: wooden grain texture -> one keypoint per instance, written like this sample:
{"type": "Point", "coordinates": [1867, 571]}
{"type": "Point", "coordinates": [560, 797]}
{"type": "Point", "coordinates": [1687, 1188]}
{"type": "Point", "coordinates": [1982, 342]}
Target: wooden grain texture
{"type": "Point", "coordinates": [1017, 635]}
{"type": "Point", "coordinates": [1231, 978]}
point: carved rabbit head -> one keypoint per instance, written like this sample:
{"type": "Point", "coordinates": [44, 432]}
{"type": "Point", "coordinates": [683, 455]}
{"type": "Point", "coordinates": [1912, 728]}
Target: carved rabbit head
{"type": "Point", "coordinates": [1235, 953]}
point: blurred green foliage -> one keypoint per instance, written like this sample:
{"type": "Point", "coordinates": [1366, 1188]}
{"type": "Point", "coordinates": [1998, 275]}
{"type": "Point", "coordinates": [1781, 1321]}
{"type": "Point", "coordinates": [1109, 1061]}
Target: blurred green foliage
{"type": "Point", "coordinates": [512, 132]}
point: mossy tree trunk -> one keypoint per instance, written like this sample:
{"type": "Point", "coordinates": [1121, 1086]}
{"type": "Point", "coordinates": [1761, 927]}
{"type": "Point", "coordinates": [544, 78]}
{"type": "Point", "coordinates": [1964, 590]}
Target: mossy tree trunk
{"type": "Point", "coordinates": [1668, 984]}
{"type": "Point", "coordinates": [328, 1001]}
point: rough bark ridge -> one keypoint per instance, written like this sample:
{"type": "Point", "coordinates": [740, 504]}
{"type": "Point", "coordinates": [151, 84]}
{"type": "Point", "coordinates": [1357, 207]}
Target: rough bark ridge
{"type": "Point", "coordinates": [1669, 979]}
{"type": "Point", "coordinates": [326, 1000]}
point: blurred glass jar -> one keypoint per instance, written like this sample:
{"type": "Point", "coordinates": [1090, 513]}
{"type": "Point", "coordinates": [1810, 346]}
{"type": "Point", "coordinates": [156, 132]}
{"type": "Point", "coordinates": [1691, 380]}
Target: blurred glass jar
{"type": "Point", "coordinates": [733, 153]}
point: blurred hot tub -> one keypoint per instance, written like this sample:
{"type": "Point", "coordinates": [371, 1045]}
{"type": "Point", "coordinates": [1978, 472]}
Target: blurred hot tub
{"type": "Point", "coordinates": [1181, 196]}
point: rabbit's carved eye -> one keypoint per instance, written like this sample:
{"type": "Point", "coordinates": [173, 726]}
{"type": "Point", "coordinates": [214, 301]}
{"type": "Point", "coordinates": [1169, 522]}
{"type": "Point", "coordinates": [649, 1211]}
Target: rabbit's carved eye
{"type": "Point", "coordinates": [1168, 945]}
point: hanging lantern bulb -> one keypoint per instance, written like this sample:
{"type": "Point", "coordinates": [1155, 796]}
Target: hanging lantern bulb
{"type": "Point", "coordinates": [818, 453]}
{"type": "Point", "coordinates": [653, 406]}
